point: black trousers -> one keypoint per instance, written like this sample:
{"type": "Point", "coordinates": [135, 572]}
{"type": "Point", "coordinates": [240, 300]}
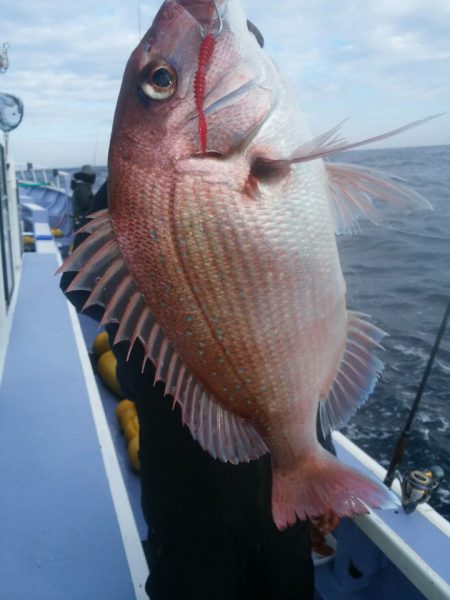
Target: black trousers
{"type": "Point", "coordinates": [210, 530]}
{"type": "Point", "coordinates": [211, 534]}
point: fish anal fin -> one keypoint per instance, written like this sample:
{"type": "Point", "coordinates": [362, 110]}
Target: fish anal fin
{"type": "Point", "coordinates": [357, 375]}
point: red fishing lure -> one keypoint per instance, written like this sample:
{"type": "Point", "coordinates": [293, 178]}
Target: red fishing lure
{"type": "Point", "coordinates": [205, 54]}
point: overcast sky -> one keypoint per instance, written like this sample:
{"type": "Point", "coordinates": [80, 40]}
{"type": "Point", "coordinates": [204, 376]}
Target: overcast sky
{"type": "Point", "coordinates": [383, 63]}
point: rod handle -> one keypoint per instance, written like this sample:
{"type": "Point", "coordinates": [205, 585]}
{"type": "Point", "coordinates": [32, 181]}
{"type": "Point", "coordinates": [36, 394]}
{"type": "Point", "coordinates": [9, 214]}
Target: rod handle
{"type": "Point", "coordinates": [400, 449]}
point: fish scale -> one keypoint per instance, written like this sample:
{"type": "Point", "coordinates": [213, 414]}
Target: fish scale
{"type": "Point", "coordinates": [222, 223]}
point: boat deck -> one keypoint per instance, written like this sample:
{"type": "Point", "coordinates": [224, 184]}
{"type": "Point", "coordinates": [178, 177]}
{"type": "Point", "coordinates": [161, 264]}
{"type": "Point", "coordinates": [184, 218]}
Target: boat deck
{"type": "Point", "coordinates": [67, 528]}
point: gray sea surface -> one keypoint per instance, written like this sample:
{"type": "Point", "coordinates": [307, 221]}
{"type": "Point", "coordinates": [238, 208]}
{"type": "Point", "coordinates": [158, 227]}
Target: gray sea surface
{"type": "Point", "coordinates": [399, 273]}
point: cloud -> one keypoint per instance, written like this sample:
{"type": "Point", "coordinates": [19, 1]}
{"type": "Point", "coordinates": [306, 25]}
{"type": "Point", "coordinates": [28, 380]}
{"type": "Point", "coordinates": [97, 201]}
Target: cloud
{"type": "Point", "coordinates": [375, 61]}
{"type": "Point", "coordinates": [383, 62]}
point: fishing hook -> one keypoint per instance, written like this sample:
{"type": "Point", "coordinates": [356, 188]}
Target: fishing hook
{"type": "Point", "coordinates": [204, 33]}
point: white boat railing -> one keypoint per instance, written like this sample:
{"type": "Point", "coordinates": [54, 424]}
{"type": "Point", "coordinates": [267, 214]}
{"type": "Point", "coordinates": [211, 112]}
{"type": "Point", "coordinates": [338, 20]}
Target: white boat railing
{"type": "Point", "coordinates": [42, 175]}
{"type": "Point", "coordinates": [406, 558]}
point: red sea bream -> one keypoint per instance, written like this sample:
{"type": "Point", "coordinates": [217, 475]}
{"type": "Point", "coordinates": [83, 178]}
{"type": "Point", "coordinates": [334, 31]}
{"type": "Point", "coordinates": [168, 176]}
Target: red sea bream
{"type": "Point", "coordinates": [218, 254]}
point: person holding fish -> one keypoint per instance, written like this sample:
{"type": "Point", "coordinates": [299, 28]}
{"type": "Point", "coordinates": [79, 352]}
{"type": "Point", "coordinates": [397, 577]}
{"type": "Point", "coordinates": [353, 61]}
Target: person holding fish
{"type": "Point", "coordinates": [216, 270]}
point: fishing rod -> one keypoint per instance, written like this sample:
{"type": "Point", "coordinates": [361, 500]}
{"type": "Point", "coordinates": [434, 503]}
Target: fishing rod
{"type": "Point", "coordinates": [403, 439]}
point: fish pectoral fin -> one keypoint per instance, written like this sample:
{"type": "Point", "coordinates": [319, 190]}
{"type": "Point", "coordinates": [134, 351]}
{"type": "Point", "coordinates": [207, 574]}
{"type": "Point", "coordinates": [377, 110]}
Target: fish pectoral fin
{"type": "Point", "coordinates": [330, 143]}
{"type": "Point", "coordinates": [101, 271]}
{"type": "Point", "coordinates": [358, 373]}
{"type": "Point", "coordinates": [352, 189]}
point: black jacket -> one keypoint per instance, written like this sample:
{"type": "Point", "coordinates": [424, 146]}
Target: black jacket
{"type": "Point", "coordinates": [82, 198]}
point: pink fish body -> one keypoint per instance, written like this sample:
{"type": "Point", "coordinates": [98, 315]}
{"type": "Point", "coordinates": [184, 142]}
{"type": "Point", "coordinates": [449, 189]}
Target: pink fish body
{"type": "Point", "coordinates": [224, 265]}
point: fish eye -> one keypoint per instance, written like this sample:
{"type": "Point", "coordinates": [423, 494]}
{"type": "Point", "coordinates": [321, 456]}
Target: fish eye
{"type": "Point", "coordinates": [159, 82]}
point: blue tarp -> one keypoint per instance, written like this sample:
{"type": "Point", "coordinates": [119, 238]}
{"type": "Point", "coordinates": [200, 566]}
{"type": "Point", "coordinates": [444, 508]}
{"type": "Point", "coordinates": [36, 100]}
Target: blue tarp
{"type": "Point", "coordinates": [57, 203]}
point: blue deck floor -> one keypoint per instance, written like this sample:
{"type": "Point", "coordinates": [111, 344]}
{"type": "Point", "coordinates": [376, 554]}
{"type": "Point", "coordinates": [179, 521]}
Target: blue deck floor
{"type": "Point", "coordinates": [59, 530]}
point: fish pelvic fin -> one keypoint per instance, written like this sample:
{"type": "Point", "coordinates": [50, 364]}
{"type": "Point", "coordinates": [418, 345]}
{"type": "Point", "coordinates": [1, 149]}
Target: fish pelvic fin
{"type": "Point", "coordinates": [358, 373]}
{"type": "Point", "coordinates": [313, 488]}
{"type": "Point", "coordinates": [101, 272]}
{"type": "Point", "coordinates": [353, 189]}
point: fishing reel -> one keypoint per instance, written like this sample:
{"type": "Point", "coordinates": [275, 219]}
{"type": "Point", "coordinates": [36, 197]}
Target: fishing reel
{"type": "Point", "coordinates": [418, 486]}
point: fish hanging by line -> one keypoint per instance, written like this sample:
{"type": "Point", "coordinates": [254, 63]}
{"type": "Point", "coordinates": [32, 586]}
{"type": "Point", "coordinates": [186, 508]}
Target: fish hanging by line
{"type": "Point", "coordinates": [218, 255]}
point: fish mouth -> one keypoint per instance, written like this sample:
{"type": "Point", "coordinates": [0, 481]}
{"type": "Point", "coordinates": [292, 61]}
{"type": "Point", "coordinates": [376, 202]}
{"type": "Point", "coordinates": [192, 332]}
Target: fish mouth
{"type": "Point", "coordinates": [208, 13]}
{"type": "Point", "coordinates": [241, 80]}
{"type": "Point", "coordinates": [211, 16]}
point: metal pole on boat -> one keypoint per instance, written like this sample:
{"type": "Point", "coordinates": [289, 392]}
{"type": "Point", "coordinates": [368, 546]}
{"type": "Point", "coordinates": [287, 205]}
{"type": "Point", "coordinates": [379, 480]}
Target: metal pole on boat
{"type": "Point", "coordinates": [402, 441]}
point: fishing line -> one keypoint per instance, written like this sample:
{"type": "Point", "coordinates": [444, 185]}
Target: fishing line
{"type": "Point", "coordinates": [139, 18]}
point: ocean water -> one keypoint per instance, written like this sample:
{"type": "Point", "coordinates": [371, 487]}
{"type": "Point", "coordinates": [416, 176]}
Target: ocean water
{"type": "Point", "coordinates": [399, 274]}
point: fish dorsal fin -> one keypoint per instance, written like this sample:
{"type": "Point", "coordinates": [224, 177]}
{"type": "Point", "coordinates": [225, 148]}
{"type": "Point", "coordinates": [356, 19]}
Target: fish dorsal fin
{"type": "Point", "coordinates": [352, 189]}
{"type": "Point", "coordinates": [101, 271]}
{"type": "Point", "coordinates": [358, 373]}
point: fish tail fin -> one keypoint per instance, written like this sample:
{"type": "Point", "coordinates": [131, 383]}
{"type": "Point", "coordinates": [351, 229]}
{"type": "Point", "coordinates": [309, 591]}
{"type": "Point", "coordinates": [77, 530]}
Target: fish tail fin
{"type": "Point", "coordinates": [313, 488]}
